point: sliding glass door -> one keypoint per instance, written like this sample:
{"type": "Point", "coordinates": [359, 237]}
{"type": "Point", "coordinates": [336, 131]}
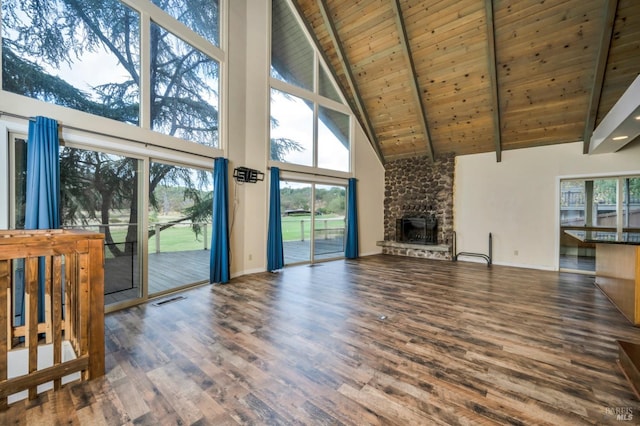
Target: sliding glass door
{"type": "Point", "coordinates": [329, 221]}
{"type": "Point", "coordinates": [99, 192]}
{"type": "Point", "coordinates": [313, 221]}
{"type": "Point", "coordinates": [179, 232]}
{"type": "Point", "coordinates": [295, 207]}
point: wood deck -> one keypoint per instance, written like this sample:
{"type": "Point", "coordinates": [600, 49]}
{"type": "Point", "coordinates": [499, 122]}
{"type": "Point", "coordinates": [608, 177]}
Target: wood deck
{"type": "Point", "coordinates": [170, 270]}
{"type": "Point", "coordinates": [166, 272]}
{"type": "Point", "coordinates": [379, 340]}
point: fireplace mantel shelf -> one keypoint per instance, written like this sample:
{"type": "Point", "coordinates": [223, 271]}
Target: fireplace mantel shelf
{"type": "Point", "coordinates": [425, 247]}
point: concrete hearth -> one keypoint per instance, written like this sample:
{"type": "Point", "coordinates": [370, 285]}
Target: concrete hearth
{"type": "Point", "coordinates": [426, 251]}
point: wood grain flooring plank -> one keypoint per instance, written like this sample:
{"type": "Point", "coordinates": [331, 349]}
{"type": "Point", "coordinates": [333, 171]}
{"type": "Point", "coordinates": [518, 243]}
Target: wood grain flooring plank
{"type": "Point", "coordinates": [377, 340]}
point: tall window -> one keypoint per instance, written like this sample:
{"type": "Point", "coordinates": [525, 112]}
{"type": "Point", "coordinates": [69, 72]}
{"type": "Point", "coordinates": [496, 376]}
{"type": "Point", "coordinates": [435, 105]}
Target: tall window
{"type": "Point", "coordinates": [310, 125]}
{"type": "Point", "coordinates": [86, 55]}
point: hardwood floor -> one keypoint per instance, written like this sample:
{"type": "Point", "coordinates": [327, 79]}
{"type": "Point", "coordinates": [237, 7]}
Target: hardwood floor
{"type": "Point", "coordinates": [379, 340]}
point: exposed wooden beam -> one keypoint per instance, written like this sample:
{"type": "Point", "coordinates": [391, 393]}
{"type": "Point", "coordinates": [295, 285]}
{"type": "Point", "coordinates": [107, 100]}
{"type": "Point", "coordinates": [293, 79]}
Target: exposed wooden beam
{"type": "Point", "coordinates": [414, 78]}
{"type": "Point", "coordinates": [491, 56]}
{"type": "Point", "coordinates": [611, 8]}
{"type": "Point", "coordinates": [342, 57]}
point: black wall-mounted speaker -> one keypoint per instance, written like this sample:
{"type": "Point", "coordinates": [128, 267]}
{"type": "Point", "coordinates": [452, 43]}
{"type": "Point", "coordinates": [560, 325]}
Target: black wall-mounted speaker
{"type": "Point", "coordinates": [245, 174]}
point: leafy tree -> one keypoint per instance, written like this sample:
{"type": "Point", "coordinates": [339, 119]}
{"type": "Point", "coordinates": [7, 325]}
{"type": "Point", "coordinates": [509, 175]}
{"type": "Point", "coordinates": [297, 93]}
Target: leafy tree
{"type": "Point", "coordinates": [58, 32]}
{"type": "Point", "coordinates": [604, 191]}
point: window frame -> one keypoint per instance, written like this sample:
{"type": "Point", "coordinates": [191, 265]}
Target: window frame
{"type": "Point", "coordinates": [23, 106]}
{"type": "Point", "coordinates": [317, 100]}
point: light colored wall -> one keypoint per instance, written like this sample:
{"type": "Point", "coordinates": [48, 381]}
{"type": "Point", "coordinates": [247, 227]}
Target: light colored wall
{"type": "Point", "coordinates": [370, 188]}
{"type": "Point", "coordinates": [249, 131]}
{"type": "Point", "coordinates": [517, 200]}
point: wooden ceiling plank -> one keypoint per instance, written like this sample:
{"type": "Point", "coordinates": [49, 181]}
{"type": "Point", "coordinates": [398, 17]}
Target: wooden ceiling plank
{"type": "Point", "coordinates": [415, 89]}
{"type": "Point", "coordinates": [358, 106]}
{"type": "Point", "coordinates": [539, 13]}
{"type": "Point", "coordinates": [601, 65]}
{"type": "Point", "coordinates": [493, 75]}
{"type": "Point", "coordinates": [333, 33]}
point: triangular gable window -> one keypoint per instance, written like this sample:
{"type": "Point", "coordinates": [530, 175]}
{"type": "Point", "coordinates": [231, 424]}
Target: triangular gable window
{"type": "Point", "coordinates": [292, 57]}
{"type": "Point", "coordinates": [310, 122]}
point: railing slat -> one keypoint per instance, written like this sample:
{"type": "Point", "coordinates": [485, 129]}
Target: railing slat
{"type": "Point", "coordinates": [5, 322]}
{"type": "Point", "coordinates": [83, 306]}
{"type": "Point", "coordinates": [31, 316]}
{"type": "Point", "coordinates": [69, 277]}
{"type": "Point", "coordinates": [56, 320]}
{"type": "Point", "coordinates": [96, 332]}
{"type": "Point", "coordinates": [47, 282]}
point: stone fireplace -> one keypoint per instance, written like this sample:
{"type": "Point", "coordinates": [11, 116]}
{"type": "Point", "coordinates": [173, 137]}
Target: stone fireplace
{"type": "Point", "coordinates": [418, 188]}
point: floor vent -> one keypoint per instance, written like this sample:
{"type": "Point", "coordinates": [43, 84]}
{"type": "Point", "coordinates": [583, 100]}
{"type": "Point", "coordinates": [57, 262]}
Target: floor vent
{"type": "Point", "coordinates": [169, 300]}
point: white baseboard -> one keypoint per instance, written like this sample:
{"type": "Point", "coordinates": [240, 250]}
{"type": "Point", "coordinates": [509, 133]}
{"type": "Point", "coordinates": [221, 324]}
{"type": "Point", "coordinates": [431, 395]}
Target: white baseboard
{"type": "Point", "coordinates": [513, 265]}
{"type": "Point", "coordinates": [248, 272]}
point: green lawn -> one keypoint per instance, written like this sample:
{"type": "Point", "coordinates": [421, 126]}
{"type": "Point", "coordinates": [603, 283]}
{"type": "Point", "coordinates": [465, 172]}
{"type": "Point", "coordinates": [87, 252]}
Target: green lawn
{"type": "Point", "coordinates": [293, 226]}
{"type": "Point", "coordinates": [176, 238]}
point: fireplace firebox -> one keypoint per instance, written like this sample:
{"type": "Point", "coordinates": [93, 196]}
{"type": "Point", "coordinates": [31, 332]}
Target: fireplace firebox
{"type": "Point", "coordinates": [417, 230]}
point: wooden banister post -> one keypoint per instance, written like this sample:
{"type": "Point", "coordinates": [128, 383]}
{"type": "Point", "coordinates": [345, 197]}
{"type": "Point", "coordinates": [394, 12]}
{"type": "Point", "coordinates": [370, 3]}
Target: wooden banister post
{"type": "Point", "coordinates": [96, 302]}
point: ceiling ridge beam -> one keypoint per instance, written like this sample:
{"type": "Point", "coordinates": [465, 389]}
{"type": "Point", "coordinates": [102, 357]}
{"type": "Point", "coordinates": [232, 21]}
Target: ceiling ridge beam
{"type": "Point", "coordinates": [404, 41]}
{"type": "Point", "coordinates": [493, 75]}
{"type": "Point", "coordinates": [342, 57]}
{"type": "Point", "coordinates": [611, 8]}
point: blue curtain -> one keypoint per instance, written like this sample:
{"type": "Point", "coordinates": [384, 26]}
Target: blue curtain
{"type": "Point", "coordinates": [43, 175]}
{"type": "Point", "coordinates": [219, 264]}
{"type": "Point", "coordinates": [275, 250]}
{"type": "Point", "coordinates": [42, 210]}
{"type": "Point", "coordinates": [351, 247]}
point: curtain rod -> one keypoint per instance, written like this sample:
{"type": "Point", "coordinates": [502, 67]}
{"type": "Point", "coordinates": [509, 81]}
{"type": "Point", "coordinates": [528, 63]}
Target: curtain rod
{"type": "Point", "coordinates": [312, 174]}
{"type": "Point", "coordinates": [10, 114]}
{"type": "Point", "coordinates": [66, 126]}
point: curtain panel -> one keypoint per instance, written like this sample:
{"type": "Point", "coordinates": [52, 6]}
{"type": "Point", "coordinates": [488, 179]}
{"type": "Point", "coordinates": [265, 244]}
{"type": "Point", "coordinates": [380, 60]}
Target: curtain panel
{"type": "Point", "coordinates": [351, 247]}
{"type": "Point", "coordinates": [220, 259]}
{"type": "Point", "coordinates": [275, 249]}
{"type": "Point", "coordinates": [42, 209]}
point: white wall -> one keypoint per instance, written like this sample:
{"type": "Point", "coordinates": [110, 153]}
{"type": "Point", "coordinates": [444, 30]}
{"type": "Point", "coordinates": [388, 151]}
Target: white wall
{"type": "Point", "coordinates": [517, 200]}
{"type": "Point", "coordinates": [370, 189]}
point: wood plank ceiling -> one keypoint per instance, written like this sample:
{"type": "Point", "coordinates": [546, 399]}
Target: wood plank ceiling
{"type": "Point", "coordinates": [470, 76]}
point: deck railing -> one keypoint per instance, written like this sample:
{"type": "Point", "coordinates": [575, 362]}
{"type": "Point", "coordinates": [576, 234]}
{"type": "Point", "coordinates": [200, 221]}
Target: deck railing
{"type": "Point", "coordinates": [70, 266]}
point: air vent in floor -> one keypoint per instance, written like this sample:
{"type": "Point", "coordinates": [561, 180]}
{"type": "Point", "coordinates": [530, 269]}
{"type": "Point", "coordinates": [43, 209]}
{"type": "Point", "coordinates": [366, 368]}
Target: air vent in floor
{"type": "Point", "coordinates": [169, 300]}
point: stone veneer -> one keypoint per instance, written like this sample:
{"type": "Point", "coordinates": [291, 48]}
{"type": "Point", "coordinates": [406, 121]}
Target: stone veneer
{"type": "Point", "coordinates": [419, 187]}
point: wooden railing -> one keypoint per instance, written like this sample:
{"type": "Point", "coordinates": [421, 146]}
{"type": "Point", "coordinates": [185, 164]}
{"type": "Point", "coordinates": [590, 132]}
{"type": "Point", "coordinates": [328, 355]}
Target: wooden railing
{"type": "Point", "coordinates": [70, 266]}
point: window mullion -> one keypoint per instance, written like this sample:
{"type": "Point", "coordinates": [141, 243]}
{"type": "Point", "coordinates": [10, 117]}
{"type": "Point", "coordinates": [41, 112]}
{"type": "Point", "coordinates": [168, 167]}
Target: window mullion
{"type": "Point", "coordinates": [316, 117]}
{"type": "Point", "coordinates": [145, 72]}
{"type": "Point", "coordinates": [315, 134]}
{"type": "Point", "coordinates": [619, 204]}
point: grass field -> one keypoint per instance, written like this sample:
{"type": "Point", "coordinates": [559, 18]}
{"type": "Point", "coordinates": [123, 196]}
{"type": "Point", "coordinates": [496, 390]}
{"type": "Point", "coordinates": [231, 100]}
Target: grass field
{"type": "Point", "coordinates": [294, 226]}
